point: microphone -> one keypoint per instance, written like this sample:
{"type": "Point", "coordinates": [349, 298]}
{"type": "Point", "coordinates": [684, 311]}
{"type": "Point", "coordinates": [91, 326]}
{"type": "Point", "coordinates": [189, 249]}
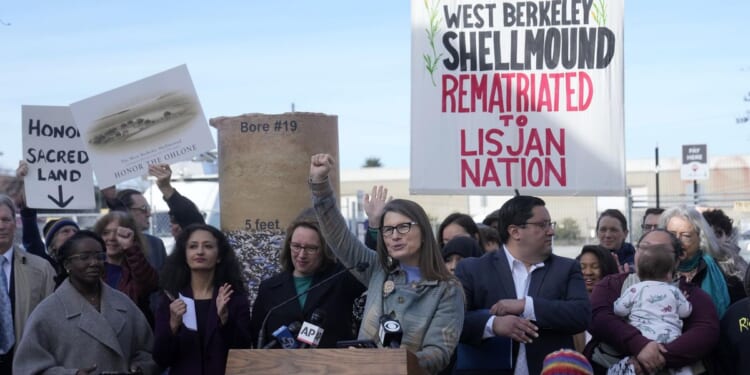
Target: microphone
{"type": "Point", "coordinates": [284, 335]}
{"type": "Point", "coordinates": [361, 267]}
{"type": "Point", "coordinates": [390, 332]}
{"type": "Point", "coordinates": [311, 332]}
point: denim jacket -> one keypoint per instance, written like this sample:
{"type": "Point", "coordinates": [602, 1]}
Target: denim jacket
{"type": "Point", "coordinates": [431, 312]}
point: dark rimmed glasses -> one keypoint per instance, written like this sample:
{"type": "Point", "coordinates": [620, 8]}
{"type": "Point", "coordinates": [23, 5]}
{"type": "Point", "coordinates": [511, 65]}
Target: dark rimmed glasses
{"type": "Point", "coordinates": [309, 249]}
{"type": "Point", "coordinates": [402, 228]}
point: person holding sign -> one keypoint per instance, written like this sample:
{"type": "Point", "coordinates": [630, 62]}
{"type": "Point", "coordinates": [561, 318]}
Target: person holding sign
{"type": "Point", "coordinates": [126, 267]}
{"type": "Point", "coordinates": [182, 211]}
{"type": "Point", "coordinates": [203, 271]}
{"type": "Point", "coordinates": [56, 232]}
{"type": "Point", "coordinates": [85, 326]}
{"type": "Point", "coordinates": [408, 281]}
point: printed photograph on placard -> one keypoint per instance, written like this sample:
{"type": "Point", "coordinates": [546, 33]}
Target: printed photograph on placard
{"type": "Point", "coordinates": [157, 119]}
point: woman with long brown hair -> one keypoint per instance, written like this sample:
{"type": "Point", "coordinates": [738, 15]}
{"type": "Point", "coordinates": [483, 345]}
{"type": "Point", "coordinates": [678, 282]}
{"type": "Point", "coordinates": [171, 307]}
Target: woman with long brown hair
{"type": "Point", "coordinates": [408, 281]}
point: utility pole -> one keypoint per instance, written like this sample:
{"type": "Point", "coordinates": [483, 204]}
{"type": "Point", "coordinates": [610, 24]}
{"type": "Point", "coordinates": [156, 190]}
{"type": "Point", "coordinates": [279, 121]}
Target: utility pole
{"type": "Point", "coordinates": [656, 152]}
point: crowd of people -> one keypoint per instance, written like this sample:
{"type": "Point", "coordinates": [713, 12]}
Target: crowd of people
{"type": "Point", "coordinates": [469, 298]}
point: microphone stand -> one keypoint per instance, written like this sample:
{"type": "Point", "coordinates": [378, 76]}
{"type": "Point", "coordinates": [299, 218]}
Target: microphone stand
{"type": "Point", "coordinates": [262, 331]}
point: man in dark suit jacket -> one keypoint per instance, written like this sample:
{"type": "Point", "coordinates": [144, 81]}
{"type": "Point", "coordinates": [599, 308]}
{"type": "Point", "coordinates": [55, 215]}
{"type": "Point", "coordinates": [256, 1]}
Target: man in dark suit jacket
{"type": "Point", "coordinates": [523, 291]}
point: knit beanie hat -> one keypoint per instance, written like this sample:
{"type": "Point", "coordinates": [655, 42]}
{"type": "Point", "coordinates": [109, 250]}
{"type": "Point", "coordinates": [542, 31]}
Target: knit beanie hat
{"type": "Point", "coordinates": [50, 233]}
{"type": "Point", "coordinates": [464, 246]}
{"type": "Point", "coordinates": [566, 362]}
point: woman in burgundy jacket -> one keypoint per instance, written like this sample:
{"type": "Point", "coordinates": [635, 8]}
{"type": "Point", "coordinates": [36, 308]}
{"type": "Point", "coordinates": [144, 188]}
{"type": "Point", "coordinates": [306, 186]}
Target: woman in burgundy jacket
{"type": "Point", "coordinates": [127, 268]}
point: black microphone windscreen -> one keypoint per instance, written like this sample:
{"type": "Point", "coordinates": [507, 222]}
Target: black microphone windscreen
{"type": "Point", "coordinates": [318, 316]}
{"type": "Point", "coordinates": [294, 327]}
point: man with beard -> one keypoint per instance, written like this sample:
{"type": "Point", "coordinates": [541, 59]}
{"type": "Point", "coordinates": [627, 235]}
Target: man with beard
{"type": "Point", "coordinates": [523, 292]}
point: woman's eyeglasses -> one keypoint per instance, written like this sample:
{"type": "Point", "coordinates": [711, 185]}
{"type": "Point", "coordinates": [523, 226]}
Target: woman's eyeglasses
{"type": "Point", "coordinates": [298, 248]}
{"type": "Point", "coordinates": [402, 228]}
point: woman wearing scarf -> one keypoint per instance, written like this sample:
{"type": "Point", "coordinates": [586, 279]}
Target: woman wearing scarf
{"type": "Point", "coordinates": [716, 269]}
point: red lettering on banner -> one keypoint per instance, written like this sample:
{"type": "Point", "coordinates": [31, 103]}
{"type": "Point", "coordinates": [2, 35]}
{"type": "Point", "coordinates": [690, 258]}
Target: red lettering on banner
{"type": "Point", "coordinates": [487, 143]}
{"type": "Point", "coordinates": [522, 92]}
{"type": "Point", "coordinates": [536, 157]}
{"type": "Point", "coordinates": [533, 171]}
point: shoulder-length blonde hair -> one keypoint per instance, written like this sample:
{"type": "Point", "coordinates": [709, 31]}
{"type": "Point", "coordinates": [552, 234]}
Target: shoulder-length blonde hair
{"type": "Point", "coordinates": [123, 219]}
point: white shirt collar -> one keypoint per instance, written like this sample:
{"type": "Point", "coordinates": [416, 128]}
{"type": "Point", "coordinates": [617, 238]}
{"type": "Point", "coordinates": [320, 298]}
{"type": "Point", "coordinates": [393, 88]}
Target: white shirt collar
{"type": "Point", "coordinates": [512, 260]}
{"type": "Point", "coordinates": [9, 255]}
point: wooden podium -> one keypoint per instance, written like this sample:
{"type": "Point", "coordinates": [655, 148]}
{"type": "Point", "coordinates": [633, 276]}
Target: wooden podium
{"type": "Point", "coordinates": [322, 361]}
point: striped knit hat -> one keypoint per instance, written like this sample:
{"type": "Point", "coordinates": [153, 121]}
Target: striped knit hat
{"type": "Point", "coordinates": [566, 362]}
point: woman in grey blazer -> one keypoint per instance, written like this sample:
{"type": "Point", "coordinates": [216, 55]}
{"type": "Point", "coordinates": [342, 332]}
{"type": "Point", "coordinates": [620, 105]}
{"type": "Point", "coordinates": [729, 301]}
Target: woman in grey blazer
{"type": "Point", "coordinates": [85, 326]}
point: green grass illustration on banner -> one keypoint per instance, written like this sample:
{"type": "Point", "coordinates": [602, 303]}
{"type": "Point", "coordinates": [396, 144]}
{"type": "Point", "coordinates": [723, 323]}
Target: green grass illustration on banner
{"type": "Point", "coordinates": [431, 60]}
{"type": "Point", "coordinates": [599, 14]}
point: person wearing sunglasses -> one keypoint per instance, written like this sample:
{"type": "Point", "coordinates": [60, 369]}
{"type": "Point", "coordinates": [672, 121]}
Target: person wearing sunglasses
{"type": "Point", "coordinates": [407, 280]}
{"type": "Point", "coordinates": [85, 326]}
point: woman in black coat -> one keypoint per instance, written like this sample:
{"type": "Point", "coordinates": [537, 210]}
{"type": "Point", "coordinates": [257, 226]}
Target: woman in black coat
{"type": "Point", "coordinates": [306, 261]}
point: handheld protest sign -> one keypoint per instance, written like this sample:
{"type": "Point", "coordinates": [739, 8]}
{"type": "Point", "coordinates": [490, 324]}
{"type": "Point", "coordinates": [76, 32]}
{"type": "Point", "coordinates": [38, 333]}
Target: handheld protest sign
{"type": "Point", "coordinates": [158, 119]}
{"type": "Point", "coordinates": [60, 175]}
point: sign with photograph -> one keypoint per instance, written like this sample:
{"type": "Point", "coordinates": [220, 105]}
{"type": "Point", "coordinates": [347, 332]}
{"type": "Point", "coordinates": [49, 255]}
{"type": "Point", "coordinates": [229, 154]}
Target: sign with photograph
{"type": "Point", "coordinates": [517, 95]}
{"type": "Point", "coordinates": [158, 119]}
{"type": "Point", "coordinates": [60, 175]}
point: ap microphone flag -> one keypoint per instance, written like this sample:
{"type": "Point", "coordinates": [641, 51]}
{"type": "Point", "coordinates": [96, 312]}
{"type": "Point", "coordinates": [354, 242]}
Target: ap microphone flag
{"type": "Point", "coordinates": [311, 332]}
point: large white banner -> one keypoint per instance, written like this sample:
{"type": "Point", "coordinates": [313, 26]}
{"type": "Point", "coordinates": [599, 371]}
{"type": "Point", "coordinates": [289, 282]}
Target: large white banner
{"type": "Point", "coordinates": [523, 95]}
{"type": "Point", "coordinates": [158, 119]}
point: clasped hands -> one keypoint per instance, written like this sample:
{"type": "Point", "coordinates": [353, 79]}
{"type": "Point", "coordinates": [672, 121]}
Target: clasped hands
{"type": "Point", "coordinates": [509, 323]}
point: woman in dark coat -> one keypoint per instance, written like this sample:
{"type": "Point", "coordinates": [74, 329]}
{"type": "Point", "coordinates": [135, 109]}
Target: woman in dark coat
{"type": "Point", "coordinates": [306, 261]}
{"type": "Point", "coordinates": [204, 270]}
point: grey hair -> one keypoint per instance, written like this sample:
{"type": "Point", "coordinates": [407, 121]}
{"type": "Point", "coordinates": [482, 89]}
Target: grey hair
{"type": "Point", "coordinates": [729, 261]}
{"type": "Point", "coordinates": [7, 201]}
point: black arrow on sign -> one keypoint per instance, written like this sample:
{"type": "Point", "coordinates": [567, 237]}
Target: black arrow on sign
{"type": "Point", "coordinates": [60, 201]}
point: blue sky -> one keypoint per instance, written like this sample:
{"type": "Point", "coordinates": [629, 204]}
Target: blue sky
{"type": "Point", "coordinates": [687, 65]}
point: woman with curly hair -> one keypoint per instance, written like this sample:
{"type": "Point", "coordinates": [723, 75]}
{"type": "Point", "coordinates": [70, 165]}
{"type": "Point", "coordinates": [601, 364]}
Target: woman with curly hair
{"type": "Point", "coordinates": [202, 270]}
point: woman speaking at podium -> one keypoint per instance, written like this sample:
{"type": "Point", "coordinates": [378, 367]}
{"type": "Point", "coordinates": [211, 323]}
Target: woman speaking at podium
{"type": "Point", "coordinates": [408, 281]}
{"type": "Point", "coordinates": [310, 272]}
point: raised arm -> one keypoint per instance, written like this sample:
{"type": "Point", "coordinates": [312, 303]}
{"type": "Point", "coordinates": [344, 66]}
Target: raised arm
{"type": "Point", "coordinates": [30, 236]}
{"type": "Point", "coordinates": [183, 209]}
{"type": "Point", "coordinates": [374, 204]}
{"type": "Point", "coordinates": [347, 247]}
